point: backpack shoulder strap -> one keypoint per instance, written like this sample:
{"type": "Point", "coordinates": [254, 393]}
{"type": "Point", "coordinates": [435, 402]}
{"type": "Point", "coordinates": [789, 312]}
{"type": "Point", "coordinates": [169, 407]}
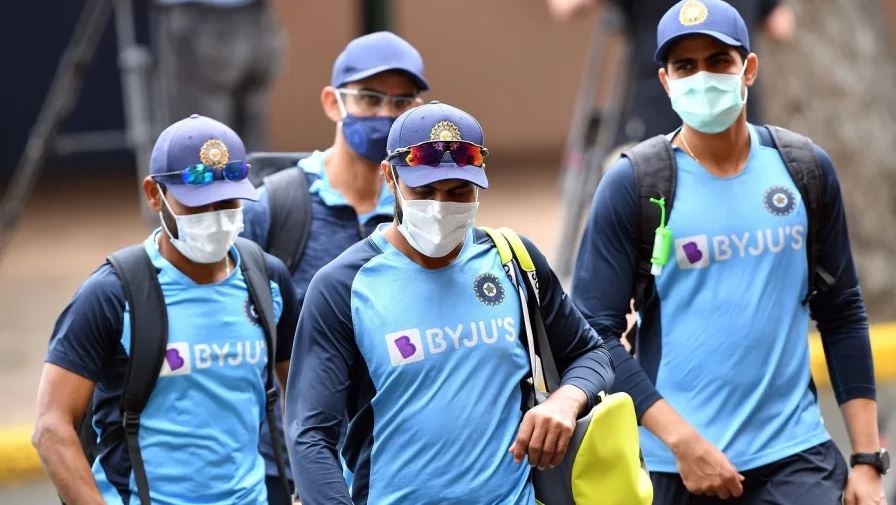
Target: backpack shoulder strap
{"type": "Point", "coordinates": [804, 168]}
{"type": "Point", "coordinates": [149, 339]}
{"type": "Point", "coordinates": [290, 215]}
{"type": "Point", "coordinates": [255, 272]}
{"type": "Point", "coordinates": [543, 347]}
{"type": "Point", "coordinates": [655, 177]}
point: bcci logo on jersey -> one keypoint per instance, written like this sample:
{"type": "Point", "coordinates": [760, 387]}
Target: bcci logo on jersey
{"type": "Point", "coordinates": [699, 251]}
{"type": "Point", "coordinates": [779, 201]}
{"type": "Point", "coordinates": [488, 289]}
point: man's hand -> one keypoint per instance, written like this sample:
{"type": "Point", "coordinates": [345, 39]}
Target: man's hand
{"type": "Point", "coordinates": [860, 417]}
{"type": "Point", "coordinates": [705, 470]}
{"type": "Point", "coordinates": [864, 487]}
{"type": "Point", "coordinates": [780, 24]}
{"type": "Point", "coordinates": [546, 429]}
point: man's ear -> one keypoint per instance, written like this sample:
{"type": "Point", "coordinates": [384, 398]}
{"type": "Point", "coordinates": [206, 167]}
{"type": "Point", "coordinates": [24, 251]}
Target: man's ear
{"type": "Point", "coordinates": [386, 170]}
{"type": "Point", "coordinates": [329, 102]}
{"type": "Point", "coordinates": [664, 78]}
{"type": "Point", "coordinates": [153, 194]}
{"type": "Point", "coordinates": [752, 70]}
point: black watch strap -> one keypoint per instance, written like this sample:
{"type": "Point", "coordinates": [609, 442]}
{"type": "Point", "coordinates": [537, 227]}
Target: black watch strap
{"type": "Point", "coordinates": [880, 460]}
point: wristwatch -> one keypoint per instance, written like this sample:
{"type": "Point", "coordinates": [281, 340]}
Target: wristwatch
{"type": "Point", "coordinates": [880, 460]}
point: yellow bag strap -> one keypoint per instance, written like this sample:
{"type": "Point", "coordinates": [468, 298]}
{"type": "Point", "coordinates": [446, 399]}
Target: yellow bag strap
{"type": "Point", "coordinates": [524, 260]}
{"type": "Point", "coordinates": [504, 250]}
{"type": "Point", "coordinates": [522, 254]}
{"type": "Point", "coordinates": [501, 239]}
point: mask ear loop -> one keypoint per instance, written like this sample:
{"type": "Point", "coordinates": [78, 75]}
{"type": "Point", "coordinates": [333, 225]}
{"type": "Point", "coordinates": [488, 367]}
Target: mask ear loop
{"type": "Point", "coordinates": [400, 197]}
{"type": "Point", "coordinates": [161, 217]}
{"type": "Point", "coordinates": [743, 72]}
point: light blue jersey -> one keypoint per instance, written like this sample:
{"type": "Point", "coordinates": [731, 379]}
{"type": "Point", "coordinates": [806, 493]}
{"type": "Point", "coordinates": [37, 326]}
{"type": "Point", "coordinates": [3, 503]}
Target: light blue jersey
{"type": "Point", "coordinates": [733, 363]}
{"type": "Point", "coordinates": [199, 430]}
{"type": "Point", "coordinates": [724, 339]}
{"type": "Point", "coordinates": [446, 364]}
{"type": "Point", "coordinates": [429, 365]}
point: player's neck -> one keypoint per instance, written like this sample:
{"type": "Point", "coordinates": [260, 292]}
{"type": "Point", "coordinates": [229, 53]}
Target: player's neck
{"type": "Point", "coordinates": [399, 242]}
{"type": "Point", "coordinates": [358, 179]}
{"type": "Point", "coordinates": [723, 154]}
{"type": "Point", "coordinates": [200, 273]}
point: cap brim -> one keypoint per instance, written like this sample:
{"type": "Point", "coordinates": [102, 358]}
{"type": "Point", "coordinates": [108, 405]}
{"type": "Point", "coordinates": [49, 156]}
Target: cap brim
{"type": "Point", "coordinates": [197, 196]}
{"type": "Point", "coordinates": [418, 79]}
{"type": "Point", "coordinates": [660, 55]}
{"type": "Point", "coordinates": [420, 176]}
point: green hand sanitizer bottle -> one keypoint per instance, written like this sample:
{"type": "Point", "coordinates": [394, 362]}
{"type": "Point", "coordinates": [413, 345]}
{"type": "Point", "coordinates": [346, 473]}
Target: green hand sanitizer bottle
{"type": "Point", "coordinates": [662, 241]}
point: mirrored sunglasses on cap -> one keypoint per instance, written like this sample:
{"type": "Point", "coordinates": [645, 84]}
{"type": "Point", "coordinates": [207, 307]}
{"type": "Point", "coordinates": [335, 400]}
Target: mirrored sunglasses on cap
{"type": "Point", "coordinates": [430, 153]}
{"type": "Point", "coordinates": [202, 174]}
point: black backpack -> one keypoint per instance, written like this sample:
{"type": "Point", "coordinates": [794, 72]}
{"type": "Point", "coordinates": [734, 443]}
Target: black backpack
{"type": "Point", "coordinates": [289, 202]}
{"type": "Point", "coordinates": [655, 177]}
{"type": "Point", "coordinates": [149, 340]}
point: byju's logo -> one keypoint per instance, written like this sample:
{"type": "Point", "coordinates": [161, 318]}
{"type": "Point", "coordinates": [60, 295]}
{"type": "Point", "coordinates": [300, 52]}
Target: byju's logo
{"type": "Point", "coordinates": [692, 252]}
{"type": "Point", "coordinates": [177, 360]}
{"type": "Point", "coordinates": [404, 347]}
{"type": "Point", "coordinates": [698, 251]}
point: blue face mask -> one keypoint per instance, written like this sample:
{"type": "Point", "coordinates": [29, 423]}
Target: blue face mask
{"type": "Point", "coordinates": [707, 102]}
{"type": "Point", "coordinates": [367, 135]}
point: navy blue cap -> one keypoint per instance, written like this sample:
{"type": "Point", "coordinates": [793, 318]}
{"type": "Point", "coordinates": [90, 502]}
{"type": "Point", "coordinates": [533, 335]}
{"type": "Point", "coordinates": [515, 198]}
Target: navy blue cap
{"type": "Point", "coordinates": [715, 18]}
{"type": "Point", "coordinates": [436, 121]}
{"type": "Point", "coordinates": [199, 139]}
{"type": "Point", "coordinates": [374, 53]}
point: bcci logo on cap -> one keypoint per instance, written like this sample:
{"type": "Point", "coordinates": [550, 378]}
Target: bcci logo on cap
{"type": "Point", "coordinates": [214, 153]}
{"type": "Point", "coordinates": [693, 13]}
{"type": "Point", "coordinates": [445, 131]}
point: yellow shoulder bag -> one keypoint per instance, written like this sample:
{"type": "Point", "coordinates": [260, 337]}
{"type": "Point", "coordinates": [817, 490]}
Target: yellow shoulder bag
{"type": "Point", "coordinates": [602, 465]}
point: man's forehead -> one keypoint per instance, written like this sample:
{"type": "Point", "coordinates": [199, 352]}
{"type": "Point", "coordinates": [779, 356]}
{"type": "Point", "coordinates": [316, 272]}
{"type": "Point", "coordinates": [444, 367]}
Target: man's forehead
{"type": "Point", "coordinates": [447, 184]}
{"type": "Point", "coordinates": [698, 46]}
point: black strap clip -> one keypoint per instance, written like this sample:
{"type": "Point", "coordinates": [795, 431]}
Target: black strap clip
{"type": "Point", "coordinates": [271, 395]}
{"type": "Point", "coordinates": [131, 422]}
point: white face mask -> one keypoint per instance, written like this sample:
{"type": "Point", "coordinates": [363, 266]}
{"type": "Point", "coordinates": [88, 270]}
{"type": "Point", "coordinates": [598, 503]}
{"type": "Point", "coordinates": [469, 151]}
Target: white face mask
{"type": "Point", "coordinates": [205, 237]}
{"type": "Point", "coordinates": [435, 228]}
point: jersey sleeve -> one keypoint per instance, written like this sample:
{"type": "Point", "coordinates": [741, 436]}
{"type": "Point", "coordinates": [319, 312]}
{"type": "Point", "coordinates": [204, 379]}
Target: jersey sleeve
{"type": "Point", "coordinates": [88, 331]}
{"type": "Point", "coordinates": [840, 310]}
{"type": "Point", "coordinates": [257, 219]}
{"type": "Point", "coordinates": [604, 276]}
{"type": "Point", "coordinates": [290, 306]}
{"type": "Point", "coordinates": [319, 379]}
{"type": "Point", "coordinates": [581, 356]}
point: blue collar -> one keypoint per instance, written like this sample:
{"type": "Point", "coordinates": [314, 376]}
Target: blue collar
{"type": "Point", "coordinates": [321, 187]}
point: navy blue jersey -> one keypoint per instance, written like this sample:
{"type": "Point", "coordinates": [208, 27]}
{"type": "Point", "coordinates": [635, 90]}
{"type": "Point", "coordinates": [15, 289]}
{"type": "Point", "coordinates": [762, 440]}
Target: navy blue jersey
{"type": "Point", "coordinates": [199, 430]}
{"type": "Point", "coordinates": [429, 365]}
{"type": "Point", "coordinates": [335, 226]}
{"type": "Point", "coordinates": [724, 341]}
